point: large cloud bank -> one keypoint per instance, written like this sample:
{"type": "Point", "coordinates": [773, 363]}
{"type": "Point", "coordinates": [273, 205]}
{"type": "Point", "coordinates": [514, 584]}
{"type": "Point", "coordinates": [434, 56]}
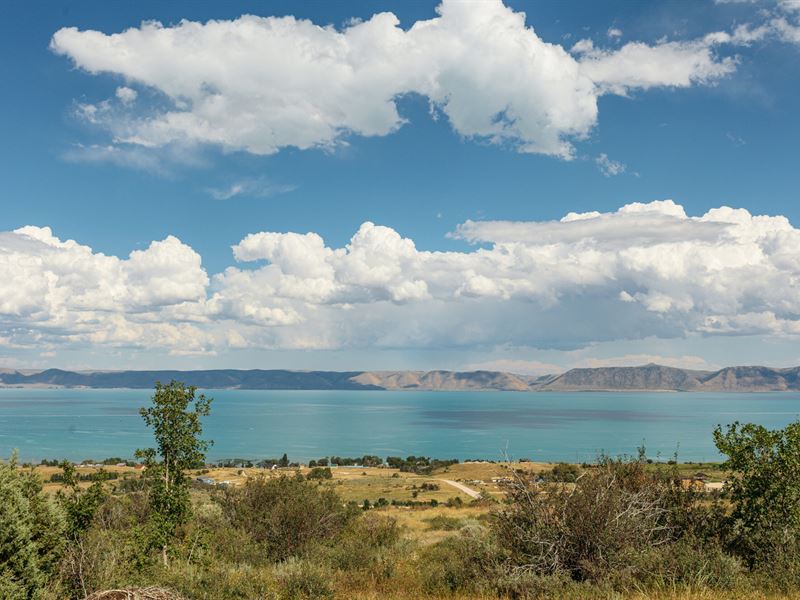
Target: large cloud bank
{"type": "Point", "coordinates": [260, 84]}
{"type": "Point", "coordinates": [644, 270]}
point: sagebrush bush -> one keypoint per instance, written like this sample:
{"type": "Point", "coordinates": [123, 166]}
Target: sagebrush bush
{"type": "Point", "coordinates": [285, 515]}
{"type": "Point", "coordinates": [597, 526]}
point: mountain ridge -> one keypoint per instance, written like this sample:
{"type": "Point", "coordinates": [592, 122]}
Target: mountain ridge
{"type": "Point", "coordinates": [650, 377]}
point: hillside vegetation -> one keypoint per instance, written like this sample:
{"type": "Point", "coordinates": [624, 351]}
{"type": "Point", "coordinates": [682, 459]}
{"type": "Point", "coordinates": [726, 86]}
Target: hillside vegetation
{"type": "Point", "coordinates": [621, 527]}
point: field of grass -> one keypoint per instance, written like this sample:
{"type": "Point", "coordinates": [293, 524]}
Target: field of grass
{"type": "Point", "coordinates": [423, 524]}
{"type": "Point", "coordinates": [47, 472]}
{"type": "Point", "coordinates": [371, 483]}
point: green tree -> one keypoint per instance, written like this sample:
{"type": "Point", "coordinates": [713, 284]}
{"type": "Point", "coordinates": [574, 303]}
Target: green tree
{"type": "Point", "coordinates": [764, 488]}
{"type": "Point", "coordinates": [80, 505]}
{"type": "Point", "coordinates": [174, 417]}
{"type": "Point", "coordinates": [31, 533]}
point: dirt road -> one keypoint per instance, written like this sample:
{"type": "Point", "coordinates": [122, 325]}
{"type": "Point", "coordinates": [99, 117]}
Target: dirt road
{"type": "Point", "coordinates": [460, 486]}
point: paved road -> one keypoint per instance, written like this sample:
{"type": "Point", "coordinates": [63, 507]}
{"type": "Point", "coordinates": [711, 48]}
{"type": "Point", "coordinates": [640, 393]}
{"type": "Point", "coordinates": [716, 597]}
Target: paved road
{"type": "Point", "coordinates": [468, 491]}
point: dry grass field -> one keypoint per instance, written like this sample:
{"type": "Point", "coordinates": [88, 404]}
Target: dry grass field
{"type": "Point", "coordinates": [423, 524]}
{"type": "Point", "coordinates": [371, 483]}
{"type": "Point", "coordinates": [357, 484]}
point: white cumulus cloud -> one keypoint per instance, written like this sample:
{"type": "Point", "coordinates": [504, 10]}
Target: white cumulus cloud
{"type": "Point", "coordinates": [260, 84]}
{"type": "Point", "coordinates": [645, 270]}
{"type": "Point", "coordinates": [64, 292]}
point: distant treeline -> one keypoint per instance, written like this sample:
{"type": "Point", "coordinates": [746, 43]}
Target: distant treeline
{"type": "Point", "coordinates": [410, 464]}
{"type": "Point", "coordinates": [98, 476]}
{"type": "Point", "coordinates": [115, 460]}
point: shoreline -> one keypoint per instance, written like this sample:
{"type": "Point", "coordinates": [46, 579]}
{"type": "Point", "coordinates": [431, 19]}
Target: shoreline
{"type": "Point", "coordinates": [41, 386]}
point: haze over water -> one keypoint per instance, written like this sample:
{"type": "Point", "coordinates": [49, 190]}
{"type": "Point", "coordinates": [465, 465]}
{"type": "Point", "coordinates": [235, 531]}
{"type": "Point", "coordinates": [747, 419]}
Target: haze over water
{"type": "Point", "coordinates": [83, 424]}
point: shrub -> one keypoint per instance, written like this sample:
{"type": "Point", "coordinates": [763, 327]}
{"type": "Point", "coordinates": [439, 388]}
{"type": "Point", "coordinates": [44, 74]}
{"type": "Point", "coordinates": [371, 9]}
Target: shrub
{"type": "Point", "coordinates": [285, 515]}
{"type": "Point", "coordinates": [689, 563]}
{"type": "Point", "coordinates": [320, 473]}
{"type": "Point", "coordinates": [460, 563]}
{"type": "Point", "coordinates": [781, 573]}
{"type": "Point", "coordinates": [79, 505]}
{"type": "Point", "coordinates": [587, 529]}
{"type": "Point", "coordinates": [765, 491]}
{"type": "Point", "coordinates": [444, 523]}
{"type": "Point", "coordinates": [365, 544]}
{"type": "Point", "coordinates": [301, 579]}
{"type": "Point", "coordinates": [562, 472]}
{"type": "Point", "coordinates": [101, 559]}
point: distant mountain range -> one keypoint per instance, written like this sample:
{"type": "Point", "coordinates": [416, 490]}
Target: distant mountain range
{"type": "Point", "coordinates": [643, 378]}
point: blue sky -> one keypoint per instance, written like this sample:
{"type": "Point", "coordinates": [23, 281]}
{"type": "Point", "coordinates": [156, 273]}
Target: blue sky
{"type": "Point", "coordinates": [725, 136]}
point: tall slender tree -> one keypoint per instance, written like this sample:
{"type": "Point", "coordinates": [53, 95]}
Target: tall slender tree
{"type": "Point", "coordinates": [174, 417]}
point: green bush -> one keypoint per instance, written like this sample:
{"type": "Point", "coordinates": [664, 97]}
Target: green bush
{"type": "Point", "coordinates": [285, 515]}
{"type": "Point", "coordinates": [466, 562]}
{"type": "Point", "coordinates": [444, 523]}
{"type": "Point", "coordinates": [691, 564]}
{"type": "Point", "coordinates": [366, 544]}
{"type": "Point", "coordinates": [562, 472]}
{"type": "Point", "coordinates": [764, 490]}
{"type": "Point", "coordinates": [320, 473]}
{"type": "Point", "coordinates": [781, 574]}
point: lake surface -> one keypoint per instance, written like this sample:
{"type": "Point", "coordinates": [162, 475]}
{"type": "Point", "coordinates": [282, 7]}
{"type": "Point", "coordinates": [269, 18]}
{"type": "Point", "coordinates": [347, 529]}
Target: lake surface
{"type": "Point", "coordinates": [83, 424]}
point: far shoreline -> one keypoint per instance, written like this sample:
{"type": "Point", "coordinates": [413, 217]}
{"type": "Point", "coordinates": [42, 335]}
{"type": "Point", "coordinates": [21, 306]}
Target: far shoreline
{"type": "Point", "coordinates": [36, 386]}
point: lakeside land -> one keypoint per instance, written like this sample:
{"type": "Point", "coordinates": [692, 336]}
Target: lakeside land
{"type": "Point", "coordinates": [411, 535]}
{"type": "Point", "coordinates": [170, 526]}
{"type": "Point", "coordinates": [649, 377]}
{"type": "Point", "coordinates": [482, 479]}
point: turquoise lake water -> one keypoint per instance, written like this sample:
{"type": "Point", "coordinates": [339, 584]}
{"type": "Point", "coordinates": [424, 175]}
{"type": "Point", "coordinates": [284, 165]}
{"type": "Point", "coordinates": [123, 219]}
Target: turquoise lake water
{"type": "Point", "coordinates": [83, 424]}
